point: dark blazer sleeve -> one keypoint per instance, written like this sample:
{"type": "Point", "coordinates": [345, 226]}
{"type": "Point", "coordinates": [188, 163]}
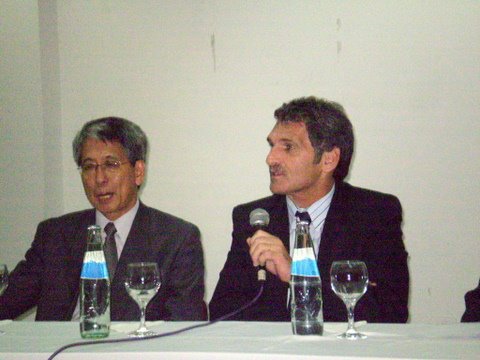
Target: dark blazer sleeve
{"type": "Point", "coordinates": [387, 295]}
{"type": "Point", "coordinates": [238, 284]}
{"type": "Point", "coordinates": [472, 305]}
{"type": "Point", "coordinates": [48, 276]}
{"type": "Point", "coordinates": [24, 286]}
{"type": "Point", "coordinates": [185, 278]}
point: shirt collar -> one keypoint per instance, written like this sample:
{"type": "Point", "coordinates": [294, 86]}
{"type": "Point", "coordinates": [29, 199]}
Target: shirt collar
{"type": "Point", "coordinates": [317, 211]}
{"type": "Point", "coordinates": [123, 224]}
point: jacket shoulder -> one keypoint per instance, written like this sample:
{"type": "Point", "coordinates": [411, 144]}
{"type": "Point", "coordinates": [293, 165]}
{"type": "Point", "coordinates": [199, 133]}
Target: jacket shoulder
{"type": "Point", "coordinates": [367, 196]}
{"type": "Point", "coordinates": [70, 218]}
{"type": "Point", "coordinates": [165, 219]}
{"type": "Point", "coordinates": [266, 203]}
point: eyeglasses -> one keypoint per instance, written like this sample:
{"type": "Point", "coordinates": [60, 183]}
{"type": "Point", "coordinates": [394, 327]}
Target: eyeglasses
{"type": "Point", "coordinates": [109, 166]}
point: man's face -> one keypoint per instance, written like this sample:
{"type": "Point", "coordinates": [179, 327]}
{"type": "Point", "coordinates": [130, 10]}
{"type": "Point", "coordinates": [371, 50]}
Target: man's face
{"type": "Point", "coordinates": [111, 191]}
{"type": "Point", "coordinates": [293, 171]}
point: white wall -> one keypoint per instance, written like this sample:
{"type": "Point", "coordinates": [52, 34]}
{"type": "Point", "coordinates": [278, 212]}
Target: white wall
{"type": "Point", "coordinates": [21, 129]}
{"type": "Point", "coordinates": [203, 78]}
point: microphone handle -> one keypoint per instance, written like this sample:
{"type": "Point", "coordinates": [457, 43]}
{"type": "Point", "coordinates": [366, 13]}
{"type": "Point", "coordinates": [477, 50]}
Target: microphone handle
{"type": "Point", "coordinates": [261, 273]}
{"type": "Point", "coordinates": [261, 270]}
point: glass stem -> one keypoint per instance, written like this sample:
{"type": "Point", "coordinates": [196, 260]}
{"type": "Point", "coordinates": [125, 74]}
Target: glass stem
{"type": "Point", "coordinates": [351, 319]}
{"type": "Point", "coordinates": [142, 317]}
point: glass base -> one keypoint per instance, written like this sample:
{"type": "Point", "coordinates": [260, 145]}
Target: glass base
{"type": "Point", "coordinates": [142, 332]}
{"type": "Point", "coordinates": [352, 335]}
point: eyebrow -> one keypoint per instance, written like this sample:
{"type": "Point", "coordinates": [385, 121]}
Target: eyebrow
{"type": "Point", "coordinates": [108, 157]}
{"type": "Point", "coordinates": [282, 140]}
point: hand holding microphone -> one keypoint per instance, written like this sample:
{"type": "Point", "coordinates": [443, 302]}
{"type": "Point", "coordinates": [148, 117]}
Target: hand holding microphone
{"type": "Point", "coordinates": [259, 220]}
{"type": "Point", "coordinates": [268, 249]}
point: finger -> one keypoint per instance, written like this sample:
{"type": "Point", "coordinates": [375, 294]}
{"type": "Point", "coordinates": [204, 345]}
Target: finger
{"type": "Point", "coordinates": [266, 252]}
{"type": "Point", "coordinates": [255, 252]}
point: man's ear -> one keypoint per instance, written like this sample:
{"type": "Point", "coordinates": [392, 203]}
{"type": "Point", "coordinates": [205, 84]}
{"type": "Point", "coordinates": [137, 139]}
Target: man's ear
{"type": "Point", "coordinates": [139, 172]}
{"type": "Point", "coordinates": [330, 159]}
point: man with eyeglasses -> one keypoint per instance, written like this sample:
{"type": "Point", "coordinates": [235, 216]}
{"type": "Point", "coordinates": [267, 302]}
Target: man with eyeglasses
{"type": "Point", "coordinates": [110, 154]}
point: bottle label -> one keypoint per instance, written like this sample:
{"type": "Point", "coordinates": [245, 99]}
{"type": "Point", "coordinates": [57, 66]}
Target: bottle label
{"type": "Point", "coordinates": [94, 266]}
{"type": "Point", "coordinates": [304, 262]}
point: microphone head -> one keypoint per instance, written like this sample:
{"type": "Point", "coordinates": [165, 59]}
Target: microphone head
{"type": "Point", "coordinates": [259, 218]}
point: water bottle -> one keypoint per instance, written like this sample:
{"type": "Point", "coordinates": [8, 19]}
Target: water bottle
{"type": "Point", "coordinates": [305, 285]}
{"type": "Point", "coordinates": [94, 289]}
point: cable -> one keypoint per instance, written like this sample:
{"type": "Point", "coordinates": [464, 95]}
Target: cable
{"type": "Point", "coordinates": [170, 333]}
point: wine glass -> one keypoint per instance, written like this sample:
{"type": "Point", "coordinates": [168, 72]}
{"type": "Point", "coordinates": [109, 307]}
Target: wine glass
{"type": "Point", "coordinates": [142, 283]}
{"type": "Point", "coordinates": [349, 280]}
{"type": "Point", "coordinates": [3, 282]}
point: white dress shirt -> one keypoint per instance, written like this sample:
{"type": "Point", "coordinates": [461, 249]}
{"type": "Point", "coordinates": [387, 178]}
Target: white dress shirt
{"type": "Point", "coordinates": [318, 213]}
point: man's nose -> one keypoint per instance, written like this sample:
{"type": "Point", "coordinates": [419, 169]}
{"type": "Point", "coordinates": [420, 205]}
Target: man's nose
{"type": "Point", "coordinates": [272, 157]}
{"type": "Point", "coordinates": [100, 174]}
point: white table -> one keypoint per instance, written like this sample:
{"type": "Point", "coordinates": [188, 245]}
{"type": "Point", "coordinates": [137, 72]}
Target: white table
{"type": "Point", "coordinates": [247, 340]}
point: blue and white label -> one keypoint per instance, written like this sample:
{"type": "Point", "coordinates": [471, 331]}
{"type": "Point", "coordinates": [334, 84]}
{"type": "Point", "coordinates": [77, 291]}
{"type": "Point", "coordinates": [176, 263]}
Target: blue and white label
{"type": "Point", "coordinates": [94, 266]}
{"type": "Point", "coordinates": [304, 262]}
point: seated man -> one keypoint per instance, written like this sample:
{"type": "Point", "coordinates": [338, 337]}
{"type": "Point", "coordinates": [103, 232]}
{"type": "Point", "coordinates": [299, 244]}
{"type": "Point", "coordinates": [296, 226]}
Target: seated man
{"type": "Point", "coordinates": [110, 153]}
{"type": "Point", "coordinates": [472, 305]}
{"type": "Point", "coordinates": [311, 146]}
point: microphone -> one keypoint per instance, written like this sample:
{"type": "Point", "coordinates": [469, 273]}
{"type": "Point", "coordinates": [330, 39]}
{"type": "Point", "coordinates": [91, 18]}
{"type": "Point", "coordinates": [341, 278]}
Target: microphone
{"type": "Point", "coordinates": [259, 219]}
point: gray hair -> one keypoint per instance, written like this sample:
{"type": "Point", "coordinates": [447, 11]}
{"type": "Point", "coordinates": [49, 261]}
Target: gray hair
{"type": "Point", "coordinates": [113, 129]}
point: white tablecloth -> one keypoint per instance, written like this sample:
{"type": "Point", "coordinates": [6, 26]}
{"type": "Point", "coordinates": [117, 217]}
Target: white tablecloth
{"type": "Point", "coordinates": [246, 340]}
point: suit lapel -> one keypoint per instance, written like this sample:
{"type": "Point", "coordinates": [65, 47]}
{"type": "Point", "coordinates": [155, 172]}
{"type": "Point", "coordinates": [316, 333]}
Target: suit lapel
{"type": "Point", "coordinates": [334, 244]}
{"type": "Point", "coordinates": [135, 245]}
{"type": "Point", "coordinates": [133, 251]}
{"type": "Point", "coordinates": [79, 236]}
{"type": "Point", "coordinates": [279, 225]}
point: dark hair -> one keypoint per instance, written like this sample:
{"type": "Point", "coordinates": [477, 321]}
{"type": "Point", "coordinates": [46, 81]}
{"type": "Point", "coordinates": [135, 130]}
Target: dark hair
{"type": "Point", "coordinates": [327, 125]}
{"type": "Point", "coordinates": [112, 129]}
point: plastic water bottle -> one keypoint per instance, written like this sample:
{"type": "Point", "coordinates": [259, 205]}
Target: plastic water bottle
{"type": "Point", "coordinates": [305, 285]}
{"type": "Point", "coordinates": [94, 289]}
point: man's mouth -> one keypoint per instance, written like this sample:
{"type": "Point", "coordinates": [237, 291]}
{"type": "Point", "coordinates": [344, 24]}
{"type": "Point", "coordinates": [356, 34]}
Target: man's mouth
{"type": "Point", "coordinates": [275, 172]}
{"type": "Point", "coordinates": [104, 196]}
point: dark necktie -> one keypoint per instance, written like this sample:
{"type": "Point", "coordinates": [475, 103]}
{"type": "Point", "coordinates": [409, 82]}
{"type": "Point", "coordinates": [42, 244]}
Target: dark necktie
{"type": "Point", "coordinates": [111, 249]}
{"type": "Point", "coordinates": [303, 216]}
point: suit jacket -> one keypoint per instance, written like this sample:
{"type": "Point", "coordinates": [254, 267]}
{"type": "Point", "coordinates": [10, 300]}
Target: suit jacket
{"type": "Point", "coordinates": [49, 277]}
{"type": "Point", "coordinates": [472, 305]}
{"type": "Point", "coordinates": [360, 225]}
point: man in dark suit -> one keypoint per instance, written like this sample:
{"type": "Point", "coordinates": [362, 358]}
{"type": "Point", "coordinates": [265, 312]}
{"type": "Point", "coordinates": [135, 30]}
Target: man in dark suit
{"type": "Point", "coordinates": [110, 153]}
{"type": "Point", "coordinates": [311, 146]}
